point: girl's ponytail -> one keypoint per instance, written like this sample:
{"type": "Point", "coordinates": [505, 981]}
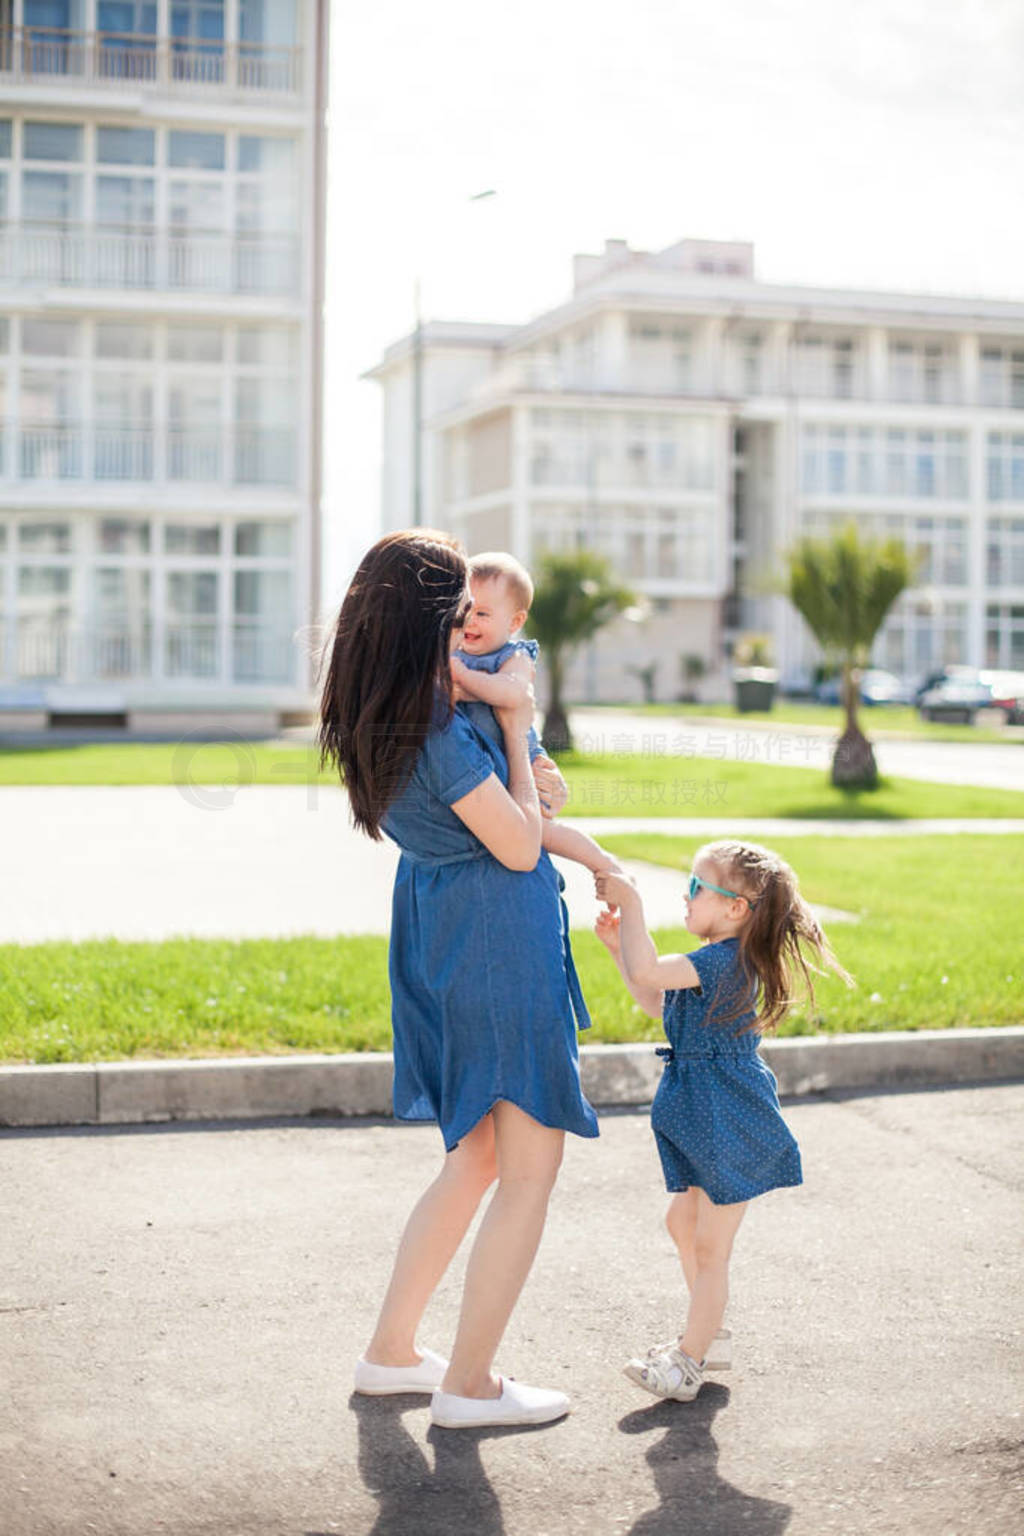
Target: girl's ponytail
{"type": "Point", "coordinates": [780, 926]}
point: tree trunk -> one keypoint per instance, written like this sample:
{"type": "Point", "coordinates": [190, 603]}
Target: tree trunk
{"type": "Point", "coordinates": [853, 766]}
{"type": "Point", "coordinates": [556, 736]}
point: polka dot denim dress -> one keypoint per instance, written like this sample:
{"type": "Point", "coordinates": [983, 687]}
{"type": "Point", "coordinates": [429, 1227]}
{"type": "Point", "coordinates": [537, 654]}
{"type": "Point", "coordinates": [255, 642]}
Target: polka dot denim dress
{"type": "Point", "coordinates": [716, 1116]}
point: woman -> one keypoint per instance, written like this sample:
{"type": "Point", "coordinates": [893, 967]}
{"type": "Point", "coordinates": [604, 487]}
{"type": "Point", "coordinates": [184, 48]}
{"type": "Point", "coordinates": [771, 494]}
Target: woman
{"type": "Point", "coordinates": [485, 999]}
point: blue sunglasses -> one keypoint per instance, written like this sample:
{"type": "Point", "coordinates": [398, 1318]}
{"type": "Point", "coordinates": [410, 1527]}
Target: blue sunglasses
{"type": "Point", "coordinates": [695, 885]}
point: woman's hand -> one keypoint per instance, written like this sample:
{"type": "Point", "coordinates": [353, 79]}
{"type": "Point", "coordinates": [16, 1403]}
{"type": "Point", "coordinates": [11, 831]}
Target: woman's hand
{"type": "Point", "coordinates": [607, 929]}
{"type": "Point", "coordinates": [552, 790]}
{"type": "Point", "coordinates": [615, 889]}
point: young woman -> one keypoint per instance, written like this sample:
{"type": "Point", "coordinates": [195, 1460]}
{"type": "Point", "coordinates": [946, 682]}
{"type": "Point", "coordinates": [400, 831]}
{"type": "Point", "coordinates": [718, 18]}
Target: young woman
{"type": "Point", "coordinates": [486, 1003]}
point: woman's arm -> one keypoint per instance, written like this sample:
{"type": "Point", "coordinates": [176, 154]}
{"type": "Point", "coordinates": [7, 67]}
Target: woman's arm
{"type": "Point", "coordinates": [607, 929]}
{"type": "Point", "coordinates": [641, 962]}
{"type": "Point", "coordinates": [508, 821]}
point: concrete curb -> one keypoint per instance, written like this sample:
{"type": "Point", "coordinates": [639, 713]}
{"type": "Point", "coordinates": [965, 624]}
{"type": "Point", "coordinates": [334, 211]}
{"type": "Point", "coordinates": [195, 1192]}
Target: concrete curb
{"type": "Point", "coordinates": [253, 1088]}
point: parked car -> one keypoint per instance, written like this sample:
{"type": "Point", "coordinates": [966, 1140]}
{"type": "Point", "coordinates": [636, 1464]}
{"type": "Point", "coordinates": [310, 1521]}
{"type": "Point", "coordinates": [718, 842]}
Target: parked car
{"type": "Point", "coordinates": [876, 687]}
{"type": "Point", "coordinates": [954, 696]}
{"type": "Point", "coordinates": [1007, 689]}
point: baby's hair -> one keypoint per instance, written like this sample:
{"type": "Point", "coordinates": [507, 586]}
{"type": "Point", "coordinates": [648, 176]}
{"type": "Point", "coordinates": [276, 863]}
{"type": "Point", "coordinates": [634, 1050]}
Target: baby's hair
{"type": "Point", "coordinates": [780, 922]}
{"type": "Point", "coordinates": [495, 565]}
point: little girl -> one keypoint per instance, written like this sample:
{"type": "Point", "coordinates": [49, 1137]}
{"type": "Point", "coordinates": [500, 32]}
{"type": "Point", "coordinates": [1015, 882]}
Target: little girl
{"type": "Point", "coordinates": [716, 1117]}
{"type": "Point", "coordinates": [493, 666]}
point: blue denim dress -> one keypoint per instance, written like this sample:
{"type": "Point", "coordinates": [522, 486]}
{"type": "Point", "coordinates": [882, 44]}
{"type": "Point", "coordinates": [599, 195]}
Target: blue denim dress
{"type": "Point", "coordinates": [485, 997]}
{"type": "Point", "coordinates": [716, 1116]}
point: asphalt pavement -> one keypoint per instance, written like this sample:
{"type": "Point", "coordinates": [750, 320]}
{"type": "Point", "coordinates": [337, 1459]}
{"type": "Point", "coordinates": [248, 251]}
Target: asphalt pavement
{"type": "Point", "coordinates": [181, 1307]}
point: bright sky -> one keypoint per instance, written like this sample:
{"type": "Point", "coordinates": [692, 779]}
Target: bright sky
{"type": "Point", "coordinates": [876, 145]}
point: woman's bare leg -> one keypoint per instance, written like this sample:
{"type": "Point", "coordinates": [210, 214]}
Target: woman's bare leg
{"type": "Point", "coordinates": [435, 1229]}
{"type": "Point", "coordinates": [716, 1229]}
{"type": "Point", "coordinates": [529, 1156]}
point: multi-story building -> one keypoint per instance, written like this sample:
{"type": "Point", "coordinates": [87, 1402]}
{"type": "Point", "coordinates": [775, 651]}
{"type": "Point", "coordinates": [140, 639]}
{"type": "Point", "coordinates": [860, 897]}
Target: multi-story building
{"type": "Point", "coordinates": [691, 422]}
{"type": "Point", "coordinates": [161, 273]}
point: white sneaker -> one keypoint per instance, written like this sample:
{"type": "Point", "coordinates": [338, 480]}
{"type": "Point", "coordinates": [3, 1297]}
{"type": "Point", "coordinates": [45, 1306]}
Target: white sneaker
{"type": "Point", "coordinates": [718, 1358]}
{"type": "Point", "coordinates": [672, 1374]}
{"type": "Point", "coordinates": [388, 1380]}
{"type": "Point", "coordinates": [518, 1404]}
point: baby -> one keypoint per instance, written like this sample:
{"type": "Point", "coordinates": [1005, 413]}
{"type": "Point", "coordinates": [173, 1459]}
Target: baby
{"type": "Point", "coordinates": [492, 666]}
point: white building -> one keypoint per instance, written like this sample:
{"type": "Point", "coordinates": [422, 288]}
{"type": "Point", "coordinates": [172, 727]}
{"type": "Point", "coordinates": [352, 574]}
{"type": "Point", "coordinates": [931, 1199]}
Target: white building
{"type": "Point", "coordinates": [161, 287]}
{"type": "Point", "coordinates": [690, 422]}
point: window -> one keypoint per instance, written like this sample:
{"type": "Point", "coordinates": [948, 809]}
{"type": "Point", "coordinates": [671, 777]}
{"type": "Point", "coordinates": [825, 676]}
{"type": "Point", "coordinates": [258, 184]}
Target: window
{"type": "Point", "coordinates": [1004, 636]}
{"type": "Point", "coordinates": [126, 146]}
{"type": "Point", "coordinates": [123, 339]}
{"type": "Point", "coordinates": [5, 138]}
{"type": "Point", "coordinates": [126, 202]}
{"type": "Point", "coordinates": [44, 538]}
{"type": "Point", "coordinates": [188, 150]}
{"type": "Point", "coordinates": [192, 538]}
{"type": "Point", "coordinates": [49, 338]}
{"type": "Point", "coordinates": [123, 536]}
{"type": "Point", "coordinates": [52, 141]}
{"type": "Point", "coordinates": [274, 346]}
{"type": "Point", "coordinates": [1005, 466]}
{"type": "Point", "coordinates": [51, 197]}
{"type": "Point", "coordinates": [1005, 552]}
{"type": "Point", "coordinates": [1001, 380]}
{"type": "Point", "coordinates": [195, 343]}
{"type": "Point", "coordinates": [262, 539]}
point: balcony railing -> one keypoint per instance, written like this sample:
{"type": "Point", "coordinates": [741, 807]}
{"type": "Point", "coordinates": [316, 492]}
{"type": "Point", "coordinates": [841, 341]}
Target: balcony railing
{"type": "Point", "coordinates": [260, 651]}
{"type": "Point", "coordinates": [93, 256]}
{"type": "Point", "coordinates": [239, 454]}
{"type": "Point", "coordinates": [118, 59]}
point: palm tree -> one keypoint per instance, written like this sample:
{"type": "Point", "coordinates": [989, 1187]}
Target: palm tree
{"type": "Point", "coordinates": [843, 588]}
{"type": "Point", "coordinates": [575, 596]}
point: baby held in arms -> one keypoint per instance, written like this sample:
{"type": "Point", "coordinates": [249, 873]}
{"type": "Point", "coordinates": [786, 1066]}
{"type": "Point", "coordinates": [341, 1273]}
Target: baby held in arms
{"type": "Point", "coordinates": [493, 666]}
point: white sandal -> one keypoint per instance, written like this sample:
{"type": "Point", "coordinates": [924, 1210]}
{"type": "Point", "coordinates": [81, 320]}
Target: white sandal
{"type": "Point", "coordinates": [671, 1374]}
{"type": "Point", "coordinates": [718, 1358]}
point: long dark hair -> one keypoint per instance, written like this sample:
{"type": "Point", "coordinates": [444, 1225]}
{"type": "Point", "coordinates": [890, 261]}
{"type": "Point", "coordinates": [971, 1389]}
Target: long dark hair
{"type": "Point", "coordinates": [388, 671]}
{"type": "Point", "coordinates": [781, 926]}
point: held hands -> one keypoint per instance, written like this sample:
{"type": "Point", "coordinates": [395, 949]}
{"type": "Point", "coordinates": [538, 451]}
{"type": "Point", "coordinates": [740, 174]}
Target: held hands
{"type": "Point", "coordinates": [615, 888]}
{"type": "Point", "coordinates": [607, 929]}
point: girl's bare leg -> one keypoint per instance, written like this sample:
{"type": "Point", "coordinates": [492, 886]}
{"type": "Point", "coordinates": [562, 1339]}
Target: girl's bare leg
{"type": "Point", "coordinates": [716, 1230]}
{"type": "Point", "coordinates": [681, 1220]}
{"type": "Point", "coordinates": [435, 1229]}
{"type": "Point", "coordinates": [529, 1156]}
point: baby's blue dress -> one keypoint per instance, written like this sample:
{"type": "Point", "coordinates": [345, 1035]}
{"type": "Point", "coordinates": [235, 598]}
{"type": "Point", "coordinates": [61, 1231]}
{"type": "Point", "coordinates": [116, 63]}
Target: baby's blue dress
{"type": "Point", "coordinates": [716, 1116]}
{"type": "Point", "coordinates": [481, 714]}
{"type": "Point", "coordinates": [485, 997]}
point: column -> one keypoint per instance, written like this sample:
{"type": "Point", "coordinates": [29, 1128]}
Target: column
{"type": "Point", "coordinates": [978, 509]}
{"type": "Point", "coordinates": [877, 344]}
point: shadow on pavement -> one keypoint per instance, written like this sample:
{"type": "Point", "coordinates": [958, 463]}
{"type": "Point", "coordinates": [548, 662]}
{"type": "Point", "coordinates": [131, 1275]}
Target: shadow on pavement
{"type": "Point", "coordinates": [685, 1466]}
{"type": "Point", "coordinates": [454, 1497]}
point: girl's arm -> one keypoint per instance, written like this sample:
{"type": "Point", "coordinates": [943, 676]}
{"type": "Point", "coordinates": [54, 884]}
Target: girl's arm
{"type": "Point", "coordinates": [508, 821]}
{"type": "Point", "coordinates": [607, 930]}
{"type": "Point", "coordinates": [640, 960]}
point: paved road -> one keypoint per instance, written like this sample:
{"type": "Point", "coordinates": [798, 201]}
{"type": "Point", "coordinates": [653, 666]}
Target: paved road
{"type": "Point", "coordinates": [150, 862]}
{"type": "Point", "coordinates": [180, 1309]}
{"type": "Point", "coordinates": [990, 764]}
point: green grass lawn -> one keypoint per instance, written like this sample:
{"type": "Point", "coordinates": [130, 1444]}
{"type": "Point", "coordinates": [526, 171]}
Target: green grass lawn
{"type": "Point", "coordinates": [938, 945]}
{"type": "Point", "coordinates": [877, 722]}
{"type": "Point", "coordinates": [600, 785]}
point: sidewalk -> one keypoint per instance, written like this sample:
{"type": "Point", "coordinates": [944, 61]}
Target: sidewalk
{"type": "Point", "coordinates": [275, 859]}
{"type": "Point", "coordinates": [181, 1308]}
